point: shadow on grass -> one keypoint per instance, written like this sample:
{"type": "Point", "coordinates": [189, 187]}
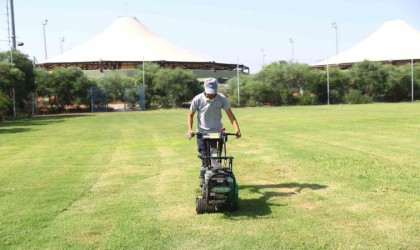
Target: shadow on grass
{"type": "Point", "coordinates": [19, 126]}
{"type": "Point", "coordinates": [261, 206]}
{"type": "Point", "coordinates": [13, 130]}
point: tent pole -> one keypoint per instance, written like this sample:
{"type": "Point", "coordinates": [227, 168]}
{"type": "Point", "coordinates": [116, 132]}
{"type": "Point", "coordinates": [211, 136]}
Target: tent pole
{"type": "Point", "coordinates": [328, 83]}
{"type": "Point", "coordinates": [143, 107]}
{"type": "Point", "coordinates": [412, 80]}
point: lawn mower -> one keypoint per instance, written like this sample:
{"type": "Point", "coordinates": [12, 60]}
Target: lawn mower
{"type": "Point", "coordinates": [219, 188]}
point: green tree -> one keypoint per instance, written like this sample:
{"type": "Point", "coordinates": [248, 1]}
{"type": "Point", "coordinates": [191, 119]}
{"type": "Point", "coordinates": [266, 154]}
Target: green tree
{"type": "Point", "coordinates": [11, 79]}
{"type": "Point", "coordinates": [370, 78]}
{"type": "Point", "coordinates": [66, 86]}
{"type": "Point", "coordinates": [252, 91]}
{"type": "Point", "coordinates": [173, 87]}
{"type": "Point", "coordinates": [150, 72]}
{"type": "Point", "coordinates": [339, 84]}
{"type": "Point", "coordinates": [25, 84]}
{"type": "Point", "coordinates": [404, 88]}
{"type": "Point", "coordinates": [4, 105]}
{"type": "Point", "coordinates": [287, 81]}
{"type": "Point", "coordinates": [394, 88]}
{"type": "Point", "coordinates": [273, 76]}
{"type": "Point", "coordinates": [114, 86]}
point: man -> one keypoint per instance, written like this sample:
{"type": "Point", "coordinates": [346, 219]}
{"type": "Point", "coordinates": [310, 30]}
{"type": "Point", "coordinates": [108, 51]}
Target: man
{"type": "Point", "coordinates": [208, 106]}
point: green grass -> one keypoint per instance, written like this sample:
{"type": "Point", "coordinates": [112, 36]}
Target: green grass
{"type": "Point", "coordinates": [321, 177]}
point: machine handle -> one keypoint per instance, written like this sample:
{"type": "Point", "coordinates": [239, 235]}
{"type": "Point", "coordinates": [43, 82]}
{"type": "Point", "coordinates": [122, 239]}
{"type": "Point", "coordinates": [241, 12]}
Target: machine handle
{"type": "Point", "coordinates": [191, 135]}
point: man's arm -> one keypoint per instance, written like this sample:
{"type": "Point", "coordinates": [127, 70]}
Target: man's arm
{"type": "Point", "coordinates": [190, 121]}
{"type": "Point", "coordinates": [234, 122]}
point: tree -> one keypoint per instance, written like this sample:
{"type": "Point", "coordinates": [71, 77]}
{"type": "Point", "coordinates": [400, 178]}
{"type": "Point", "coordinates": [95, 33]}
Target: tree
{"type": "Point", "coordinates": [4, 105]}
{"type": "Point", "coordinates": [24, 84]}
{"type": "Point", "coordinates": [253, 92]}
{"type": "Point", "coordinates": [287, 82]}
{"type": "Point", "coordinates": [150, 71]}
{"type": "Point", "coordinates": [370, 78]}
{"type": "Point", "coordinates": [11, 79]}
{"type": "Point", "coordinates": [273, 76]}
{"type": "Point", "coordinates": [405, 82]}
{"type": "Point", "coordinates": [395, 88]}
{"type": "Point", "coordinates": [339, 84]}
{"type": "Point", "coordinates": [65, 86]}
{"type": "Point", "coordinates": [113, 85]}
{"type": "Point", "coordinates": [173, 87]}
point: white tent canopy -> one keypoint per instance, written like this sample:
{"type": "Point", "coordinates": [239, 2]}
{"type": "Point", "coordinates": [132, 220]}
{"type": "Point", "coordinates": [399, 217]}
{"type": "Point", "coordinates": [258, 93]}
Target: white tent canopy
{"type": "Point", "coordinates": [126, 40]}
{"type": "Point", "coordinates": [126, 44]}
{"type": "Point", "coordinates": [394, 41]}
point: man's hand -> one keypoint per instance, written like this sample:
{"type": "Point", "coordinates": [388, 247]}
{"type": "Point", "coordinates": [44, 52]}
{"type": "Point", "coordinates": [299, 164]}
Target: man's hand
{"type": "Point", "coordinates": [238, 134]}
{"type": "Point", "coordinates": [190, 134]}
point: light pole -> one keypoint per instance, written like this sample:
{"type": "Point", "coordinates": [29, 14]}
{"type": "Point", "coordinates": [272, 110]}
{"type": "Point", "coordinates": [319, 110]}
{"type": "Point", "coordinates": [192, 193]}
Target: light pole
{"type": "Point", "coordinates": [263, 57]}
{"type": "Point", "coordinates": [45, 39]}
{"type": "Point", "coordinates": [293, 49]}
{"type": "Point", "coordinates": [334, 25]}
{"type": "Point", "coordinates": [61, 44]}
{"type": "Point", "coordinates": [13, 24]}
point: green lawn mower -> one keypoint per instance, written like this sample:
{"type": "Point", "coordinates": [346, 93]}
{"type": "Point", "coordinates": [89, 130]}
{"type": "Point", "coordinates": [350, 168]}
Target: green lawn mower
{"type": "Point", "coordinates": [219, 188]}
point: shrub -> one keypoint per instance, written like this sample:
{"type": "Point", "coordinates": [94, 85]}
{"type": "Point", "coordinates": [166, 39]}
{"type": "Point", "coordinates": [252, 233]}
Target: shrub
{"type": "Point", "coordinates": [355, 97]}
{"type": "Point", "coordinates": [307, 99]}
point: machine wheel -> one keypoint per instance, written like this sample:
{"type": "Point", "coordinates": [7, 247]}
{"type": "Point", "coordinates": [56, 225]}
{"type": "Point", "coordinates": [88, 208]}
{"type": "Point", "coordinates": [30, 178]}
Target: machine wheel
{"type": "Point", "coordinates": [233, 207]}
{"type": "Point", "coordinates": [200, 205]}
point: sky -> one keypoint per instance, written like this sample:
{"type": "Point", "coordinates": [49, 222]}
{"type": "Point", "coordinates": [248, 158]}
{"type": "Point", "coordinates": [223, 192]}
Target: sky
{"type": "Point", "coordinates": [253, 33]}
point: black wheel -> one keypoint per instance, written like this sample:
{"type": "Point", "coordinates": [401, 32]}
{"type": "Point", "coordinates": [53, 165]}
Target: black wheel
{"type": "Point", "coordinates": [211, 209]}
{"type": "Point", "coordinates": [200, 205]}
{"type": "Point", "coordinates": [233, 206]}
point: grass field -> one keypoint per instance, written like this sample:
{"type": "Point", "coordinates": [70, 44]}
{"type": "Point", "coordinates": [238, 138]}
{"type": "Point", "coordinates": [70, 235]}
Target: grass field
{"type": "Point", "coordinates": [320, 177]}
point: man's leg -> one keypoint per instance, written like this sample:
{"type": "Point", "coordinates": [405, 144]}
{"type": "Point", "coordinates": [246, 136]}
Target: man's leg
{"type": "Point", "coordinates": [202, 149]}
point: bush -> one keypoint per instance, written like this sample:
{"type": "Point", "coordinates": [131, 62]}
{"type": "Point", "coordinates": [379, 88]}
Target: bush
{"type": "Point", "coordinates": [173, 87]}
{"type": "Point", "coordinates": [286, 96]}
{"type": "Point", "coordinates": [355, 97]}
{"type": "Point", "coordinates": [335, 97]}
{"type": "Point", "coordinates": [307, 99]}
{"type": "Point", "coordinates": [4, 104]}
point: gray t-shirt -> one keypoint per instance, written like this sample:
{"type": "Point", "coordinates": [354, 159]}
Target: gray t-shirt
{"type": "Point", "coordinates": [209, 112]}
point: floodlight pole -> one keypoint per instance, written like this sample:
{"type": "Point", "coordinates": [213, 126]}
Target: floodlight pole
{"type": "Point", "coordinates": [263, 57]}
{"type": "Point", "coordinates": [13, 24]}
{"type": "Point", "coordinates": [45, 39]}
{"type": "Point", "coordinates": [61, 44]}
{"type": "Point", "coordinates": [334, 25]}
{"type": "Point", "coordinates": [10, 38]}
{"type": "Point", "coordinates": [293, 48]}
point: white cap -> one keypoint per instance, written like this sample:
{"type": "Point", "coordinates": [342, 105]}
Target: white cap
{"type": "Point", "coordinates": [210, 85]}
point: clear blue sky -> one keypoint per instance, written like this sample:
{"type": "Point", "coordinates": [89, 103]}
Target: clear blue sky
{"type": "Point", "coordinates": [221, 31]}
